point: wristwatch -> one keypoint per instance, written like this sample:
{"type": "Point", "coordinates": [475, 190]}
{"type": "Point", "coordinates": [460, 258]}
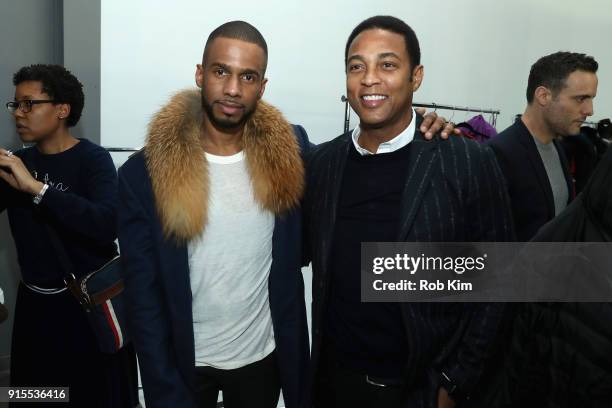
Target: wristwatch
{"type": "Point", "coordinates": [38, 197]}
{"type": "Point", "coordinates": [451, 388]}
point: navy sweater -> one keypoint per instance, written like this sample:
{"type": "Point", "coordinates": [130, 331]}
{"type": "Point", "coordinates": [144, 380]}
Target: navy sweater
{"type": "Point", "coordinates": [366, 337]}
{"type": "Point", "coordinates": [80, 204]}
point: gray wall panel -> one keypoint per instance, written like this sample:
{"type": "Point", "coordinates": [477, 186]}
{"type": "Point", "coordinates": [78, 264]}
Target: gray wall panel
{"type": "Point", "coordinates": [31, 33]}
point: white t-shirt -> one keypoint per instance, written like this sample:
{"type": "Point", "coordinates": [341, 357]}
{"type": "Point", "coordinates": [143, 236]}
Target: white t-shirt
{"type": "Point", "coordinates": [229, 266]}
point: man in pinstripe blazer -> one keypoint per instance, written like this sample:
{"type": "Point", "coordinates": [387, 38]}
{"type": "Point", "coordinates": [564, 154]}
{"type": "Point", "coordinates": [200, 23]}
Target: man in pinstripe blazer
{"type": "Point", "coordinates": [384, 182]}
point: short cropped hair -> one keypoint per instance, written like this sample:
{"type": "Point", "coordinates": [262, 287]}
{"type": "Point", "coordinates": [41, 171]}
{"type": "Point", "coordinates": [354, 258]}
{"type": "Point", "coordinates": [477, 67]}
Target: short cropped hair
{"type": "Point", "coordinates": [393, 24]}
{"type": "Point", "coordinates": [552, 71]}
{"type": "Point", "coordinates": [238, 30]}
{"type": "Point", "coordinates": [57, 82]}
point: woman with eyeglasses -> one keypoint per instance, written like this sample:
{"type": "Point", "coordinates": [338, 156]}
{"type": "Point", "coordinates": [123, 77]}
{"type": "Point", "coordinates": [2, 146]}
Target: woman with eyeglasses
{"type": "Point", "coordinates": [67, 185]}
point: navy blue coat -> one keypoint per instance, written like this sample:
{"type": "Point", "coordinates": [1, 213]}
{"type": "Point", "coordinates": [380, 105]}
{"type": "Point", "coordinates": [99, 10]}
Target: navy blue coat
{"type": "Point", "coordinates": [158, 287]}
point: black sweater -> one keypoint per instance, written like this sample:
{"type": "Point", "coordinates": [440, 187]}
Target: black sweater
{"type": "Point", "coordinates": [80, 204]}
{"type": "Point", "coordinates": [366, 337]}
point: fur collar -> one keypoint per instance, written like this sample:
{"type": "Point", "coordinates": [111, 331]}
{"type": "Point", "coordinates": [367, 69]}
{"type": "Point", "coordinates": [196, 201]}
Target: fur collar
{"type": "Point", "coordinates": [179, 170]}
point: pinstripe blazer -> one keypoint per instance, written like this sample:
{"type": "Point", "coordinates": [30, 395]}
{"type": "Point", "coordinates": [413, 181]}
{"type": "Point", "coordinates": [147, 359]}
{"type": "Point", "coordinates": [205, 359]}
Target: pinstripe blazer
{"type": "Point", "coordinates": [454, 191]}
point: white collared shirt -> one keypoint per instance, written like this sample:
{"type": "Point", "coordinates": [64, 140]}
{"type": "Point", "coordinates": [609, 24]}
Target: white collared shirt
{"type": "Point", "coordinates": [392, 145]}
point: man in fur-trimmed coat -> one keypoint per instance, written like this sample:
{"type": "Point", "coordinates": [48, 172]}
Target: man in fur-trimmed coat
{"type": "Point", "coordinates": [210, 235]}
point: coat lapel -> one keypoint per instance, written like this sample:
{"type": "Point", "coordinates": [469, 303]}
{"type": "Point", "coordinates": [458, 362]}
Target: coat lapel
{"type": "Point", "coordinates": [566, 172]}
{"type": "Point", "coordinates": [335, 173]}
{"type": "Point", "coordinates": [526, 140]}
{"type": "Point", "coordinates": [423, 157]}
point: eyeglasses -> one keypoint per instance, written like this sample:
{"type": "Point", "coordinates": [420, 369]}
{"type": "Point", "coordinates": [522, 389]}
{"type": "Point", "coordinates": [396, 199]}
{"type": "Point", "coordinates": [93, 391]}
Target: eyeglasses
{"type": "Point", "coordinates": [26, 105]}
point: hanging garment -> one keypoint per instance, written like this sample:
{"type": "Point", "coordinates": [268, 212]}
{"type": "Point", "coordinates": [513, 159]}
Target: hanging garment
{"type": "Point", "coordinates": [582, 157]}
{"type": "Point", "coordinates": [478, 129]}
{"type": "Point", "coordinates": [604, 128]}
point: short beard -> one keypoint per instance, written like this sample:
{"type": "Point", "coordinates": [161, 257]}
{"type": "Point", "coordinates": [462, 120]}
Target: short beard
{"type": "Point", "coordinates": [225, 124]}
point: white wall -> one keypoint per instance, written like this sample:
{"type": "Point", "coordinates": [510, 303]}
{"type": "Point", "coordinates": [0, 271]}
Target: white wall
{"type": "Point", "coordinates": [475, 52]}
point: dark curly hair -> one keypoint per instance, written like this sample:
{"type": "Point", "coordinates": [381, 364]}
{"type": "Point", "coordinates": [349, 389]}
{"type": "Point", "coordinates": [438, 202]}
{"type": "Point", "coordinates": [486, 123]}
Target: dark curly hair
{"type": "Point", "coordinates": [59, 84]}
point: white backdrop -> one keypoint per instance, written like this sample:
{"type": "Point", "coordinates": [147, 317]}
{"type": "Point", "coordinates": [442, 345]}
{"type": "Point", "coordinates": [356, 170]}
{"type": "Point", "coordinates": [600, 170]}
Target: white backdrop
{"type": "Point", "coordinates": [475, 52]}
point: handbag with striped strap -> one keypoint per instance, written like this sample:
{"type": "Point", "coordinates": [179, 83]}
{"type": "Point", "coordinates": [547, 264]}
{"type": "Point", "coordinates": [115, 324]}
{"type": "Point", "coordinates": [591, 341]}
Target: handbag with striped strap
{"type": "Point", "coordinates": [101, 294]}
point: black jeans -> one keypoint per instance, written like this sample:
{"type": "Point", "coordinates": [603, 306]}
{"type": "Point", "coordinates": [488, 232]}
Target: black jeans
{"type": "Point", "coordinates": [337, 387]}
{"type": "Point", "coordinates": [256, 385]}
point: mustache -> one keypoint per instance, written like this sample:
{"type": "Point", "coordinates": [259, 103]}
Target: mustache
{"type": "Point", "coordinates": [225, 101]}
{"type": "Point", "coordinates": [230, 102]}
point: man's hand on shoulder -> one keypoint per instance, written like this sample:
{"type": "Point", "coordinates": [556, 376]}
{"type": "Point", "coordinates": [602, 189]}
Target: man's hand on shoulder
{"type": "Point", "coordinates": [432, 124]}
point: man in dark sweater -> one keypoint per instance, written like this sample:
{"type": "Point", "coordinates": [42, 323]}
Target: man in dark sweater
{"type": "Point", "coordinates": [384, 182]}
{"type": "Point", "coordinates": [560, 94]}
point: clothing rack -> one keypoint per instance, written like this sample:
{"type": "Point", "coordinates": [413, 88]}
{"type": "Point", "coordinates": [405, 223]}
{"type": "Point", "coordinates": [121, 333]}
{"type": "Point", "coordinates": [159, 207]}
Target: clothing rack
{"type": "Point", "coordinates": [121, 149]}
{"type": "Point", "coordinates": [590, 123]}
{"type": "Point", "coordinates": [108, 149]}
{"type": "Point", "coordinates": [456, 108]}
{"type": "Point", "coordinates": [433, 105]}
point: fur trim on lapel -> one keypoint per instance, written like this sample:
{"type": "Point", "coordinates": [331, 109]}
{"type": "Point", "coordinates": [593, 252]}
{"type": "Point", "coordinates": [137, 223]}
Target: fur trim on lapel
{"type": "Point", "coordinates": [179, 170]}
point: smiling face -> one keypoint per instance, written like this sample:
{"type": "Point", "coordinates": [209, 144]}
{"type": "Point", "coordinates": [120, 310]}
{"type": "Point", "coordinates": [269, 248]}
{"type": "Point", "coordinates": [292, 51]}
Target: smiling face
{"type": "Point", "coordinates": [232, 81]}
{"type": "Point", "coordinates": [380, 81]}
{"type": "Point", "coordinates": [44, 120]}
{"type": "Point", "coordinates": [565, 112]}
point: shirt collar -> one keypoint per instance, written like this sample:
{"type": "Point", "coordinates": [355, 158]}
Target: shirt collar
{"type": "Point", "coordinates": [392, 145]}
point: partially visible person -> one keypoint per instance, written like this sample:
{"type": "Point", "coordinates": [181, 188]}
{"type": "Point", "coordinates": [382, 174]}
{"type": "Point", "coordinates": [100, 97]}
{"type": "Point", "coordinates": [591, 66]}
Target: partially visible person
{"type": "Point", "coordinates": [561, 354]}
{"type": "Point", "coordinates": [560, 93]}
{"type": "Point", "coordinates": [69, 185]}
